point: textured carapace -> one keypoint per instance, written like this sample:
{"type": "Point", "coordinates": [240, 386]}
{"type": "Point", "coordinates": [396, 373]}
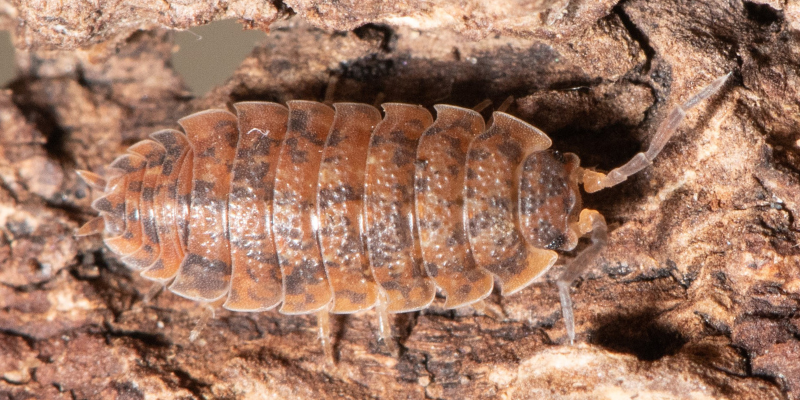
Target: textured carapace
{"type": "Point", "coordinates": [321, 209]}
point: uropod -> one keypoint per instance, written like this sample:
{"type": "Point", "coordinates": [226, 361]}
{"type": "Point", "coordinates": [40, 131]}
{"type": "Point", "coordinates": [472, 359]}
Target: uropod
{"type": "Point", "coordinates": [322, 210]}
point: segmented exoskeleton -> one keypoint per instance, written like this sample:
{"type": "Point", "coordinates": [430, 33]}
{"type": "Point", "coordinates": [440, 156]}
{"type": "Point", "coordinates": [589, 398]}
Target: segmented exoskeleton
{"type": "Point", "coordinates": [321, 209]}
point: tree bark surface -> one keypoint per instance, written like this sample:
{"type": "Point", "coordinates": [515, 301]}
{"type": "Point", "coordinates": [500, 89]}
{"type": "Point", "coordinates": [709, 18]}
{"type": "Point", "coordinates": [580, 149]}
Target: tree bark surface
{"type": "Point", "coordinates": [696, 296]}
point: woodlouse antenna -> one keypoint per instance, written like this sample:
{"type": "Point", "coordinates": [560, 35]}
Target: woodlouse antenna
{"type": "Point", "coordinates": [594, 181]}
{"type": "Point", "coordinates": [592, 221]}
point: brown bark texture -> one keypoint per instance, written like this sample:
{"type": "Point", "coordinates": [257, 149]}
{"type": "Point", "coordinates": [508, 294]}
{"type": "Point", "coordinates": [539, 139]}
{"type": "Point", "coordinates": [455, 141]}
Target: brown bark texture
{"type": "Point", "coordinates": [696, 296]}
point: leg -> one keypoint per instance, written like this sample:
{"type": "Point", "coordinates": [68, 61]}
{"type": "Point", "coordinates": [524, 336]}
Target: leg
{"type": "Point", "coordinates": [330, 90]}
{"type": "Point", "coordinates": [324, 331]}
{"type": "Point", "coordinates": [208, 313]}
{"type": "Point", "coordinates": [506, 104]}
{"type": "Point", "coordinates": [384, 326]}
{"type": "Point", "coordinates": [151, 294]}
{"type": "Point", "coordinates": [482, 105]}
{"type": "Point", "coordinates": [594, 181]}
{"type": "Point", "coordinates": [379, 100]}
{"type": "Point", "coordinates": [488, 309]}
{"type": "Point", "coordinates": [590, 221]}
{"type": "Point", "coordinates": [486, 103]}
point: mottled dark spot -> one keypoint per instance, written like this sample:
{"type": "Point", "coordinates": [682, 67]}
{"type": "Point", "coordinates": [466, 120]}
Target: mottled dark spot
{"type": "Point", "coordinates": [354, 297]}
{"type": "Point", "coordinates": [391, 285]}
{"type": "Point", "coordinates": [298, 120]}
{"type": "Point", "coordinates": [403, 157]}
{"type": "Point", "coordinates": [229, 130]}
{"type": "Point", "coordinates": [433, 131]}
{"type": "Point", "coordinates": [454, 141]}
{"type": "Point", "coordinates": [148, 194]}
{"type": "Point", "coordinates": [427, 224]}
{"type": "Point", "coordinates": [479, 154]}
{"type": "Point", "coordinates": [201, 190]}
{"type": "Point", "coordinates": [301, 276]}
{"type": "Point", "coordinates": [167, 166]}
{"type": "Point", "coordinates": [458, 237]}
{"type": "Point", "coordinates": [454, 169]}
{"type": "Point", "coordinates": [421, 165]}
{"type": "Point", "coordinates": [312, 138]}
{"type": "Point", "coordinates": [127, 164]}
{"type": "Point", "coordinates": [309, 298]}
{"type": "Point", "coordinates": [510, 150]}
{"type": "Point", "coordinates": [297, 156]}
{"type": "Point", "coordinates": [338, 194]}
{"type": "Point", "coordinates": [251, 173]}
{"type": "Point", "coordinates": [135, 186]}
{"type": "Point", "coordinates": [421, 185]}
{"type": "Point", "coordinates": [334, 138]}
{"type": "Point", "coordinates": [557, 242]}
{"type": "Point", "coordinates": [416, 124]}
{"type": "Point", "coordinates": [471, 192]}
{"type": "Point", "coordinates": [208, 152]}
{"type": "Point", "coordinates": [156, 267]}
{"type": "Point", "coordinates": [351, 245]}
{"type": "Point", "coordinates": [239, 193]}
{"type": "Point", "coordinates": [102, 205]}
{"type": "Point", "coordinates": [149, 227]}
{"type": "Point", "coordinates": [206, 270]}
{"type": "Point", "coordinates": [433, 269]}
{"type": "Point", "coordinates": [510, 266]}
{"type": "Point", "coordinates": [501, 203]}
{"type": "Point", "coordinates": [166, 138]}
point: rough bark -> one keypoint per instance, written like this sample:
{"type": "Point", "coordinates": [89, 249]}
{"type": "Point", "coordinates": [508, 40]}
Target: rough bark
{"type": "Point", "coordinates": [696, 296]}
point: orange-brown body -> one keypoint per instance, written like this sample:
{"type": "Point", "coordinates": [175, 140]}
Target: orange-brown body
{"type": "Point", "coordinates": [321, 209]}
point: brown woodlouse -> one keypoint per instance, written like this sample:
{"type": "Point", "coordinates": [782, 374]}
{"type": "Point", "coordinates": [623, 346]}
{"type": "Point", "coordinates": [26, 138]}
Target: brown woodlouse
{"type": "Point", "coordinates": [340, 210]}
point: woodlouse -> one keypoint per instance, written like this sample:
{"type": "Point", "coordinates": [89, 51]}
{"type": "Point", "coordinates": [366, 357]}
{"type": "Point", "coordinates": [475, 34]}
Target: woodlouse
{"type": "Point", "coordinates": [341, 210]}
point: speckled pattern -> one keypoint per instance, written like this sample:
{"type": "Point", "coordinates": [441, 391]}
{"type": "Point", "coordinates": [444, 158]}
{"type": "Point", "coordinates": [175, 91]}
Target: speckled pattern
{"type": "Point", "coordinates": [149, 250]}
{"type": "Point", "coordinates": [166, 204]}
{"type": "Point", "coordinates": [340, 200]}
{"type": "Point", "coordinates": [439, 191]}
{"type": "Point", "coordinates": [549, 200]}
{"type": "Point", "coordinates": [205, 271]}
{"type": "Point", "coordinates": [256, 279]}
{"type": "Point", "coordinates": [491, 195]}
{"type": "Point", "coordinates": [318, 208]}
{"type": "Point", "coordinates": [392, 238]}
{"type": "Point", "coordinates": [305, 287]}
{"type": "Point", "coordinates": [132, 165]}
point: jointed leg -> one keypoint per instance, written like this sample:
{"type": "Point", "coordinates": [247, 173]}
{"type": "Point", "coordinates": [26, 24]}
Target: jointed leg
{"type": "Point", "coordinates": [489, 309]}
{"type": "Point", "coordinates": [590, 221]}
{"type": "Point", "coordinates": [154, 291]}
{"type": "Point", "coordinates": [594, 181]}
{"type": "Point", "coordinates": [482, 105]}
{"type": "Point", "coordinates": [384, 325]}
{"type": "Point", "coordinates": [324, 331]}
{"type": "Point", "coordinates": [208, 313]}
{"type": "Point", "coordinates": [330, 90]}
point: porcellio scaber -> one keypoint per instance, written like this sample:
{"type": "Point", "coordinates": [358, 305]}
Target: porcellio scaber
{"type": "Point", "coordinates": [339, 210]}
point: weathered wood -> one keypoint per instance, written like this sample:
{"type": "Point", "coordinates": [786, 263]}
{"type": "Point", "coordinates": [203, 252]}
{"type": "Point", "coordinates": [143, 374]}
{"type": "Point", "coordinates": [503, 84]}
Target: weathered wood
{"type": "Point", "coordinates": [696, 293]}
